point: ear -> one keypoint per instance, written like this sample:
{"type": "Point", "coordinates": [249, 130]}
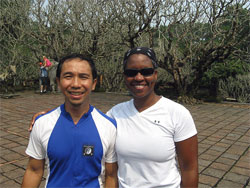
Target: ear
{"type": "Point", "coordinates": [94, 84]}
{"type": "Point", "coordinates": [155, 75]}
{"type": "Point", "coordinates": [58, 83]}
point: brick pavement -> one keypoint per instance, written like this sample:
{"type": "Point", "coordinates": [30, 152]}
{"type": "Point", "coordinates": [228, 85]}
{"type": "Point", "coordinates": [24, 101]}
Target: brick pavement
{"type": "Point", "coordinates": [223, 133]}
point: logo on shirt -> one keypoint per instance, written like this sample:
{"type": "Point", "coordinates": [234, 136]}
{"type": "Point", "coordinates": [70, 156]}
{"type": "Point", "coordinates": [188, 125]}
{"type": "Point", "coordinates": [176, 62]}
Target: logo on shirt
{"type": "Point", "coordinates": [157, 122]}
{"type": "Point", "coordinates": [88, 150]}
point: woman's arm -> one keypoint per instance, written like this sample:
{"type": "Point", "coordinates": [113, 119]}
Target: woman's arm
{"type": "Point", "coordinates": [187, 153]}
{"type": "Point", "coordinates": [111, 179]}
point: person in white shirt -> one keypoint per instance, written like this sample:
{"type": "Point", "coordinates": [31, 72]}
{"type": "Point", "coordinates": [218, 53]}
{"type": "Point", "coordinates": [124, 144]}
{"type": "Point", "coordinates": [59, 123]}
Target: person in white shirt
{"type": "Point", "coordinates": [156, 141]}
{"type": "Point", "coordinates": [151, 129]}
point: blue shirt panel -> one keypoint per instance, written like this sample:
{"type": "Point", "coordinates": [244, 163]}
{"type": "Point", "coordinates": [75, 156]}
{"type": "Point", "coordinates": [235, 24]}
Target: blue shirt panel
{"type": "Point", "coordinates": [68, 166]}
{"type": "Point", "coordinates": [44, 72]}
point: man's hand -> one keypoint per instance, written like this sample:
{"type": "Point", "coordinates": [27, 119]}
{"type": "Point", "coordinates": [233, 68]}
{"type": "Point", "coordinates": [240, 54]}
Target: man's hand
{"type": "Point", "coordinates": [34, 118]}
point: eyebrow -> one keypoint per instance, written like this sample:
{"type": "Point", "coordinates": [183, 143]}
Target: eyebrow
{"type": "Point", "coordinates": [81, 74]}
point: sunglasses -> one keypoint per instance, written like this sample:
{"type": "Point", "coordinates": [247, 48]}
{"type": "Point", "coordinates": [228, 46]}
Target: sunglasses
{"type": "Point", "coordinates": [134, 72]}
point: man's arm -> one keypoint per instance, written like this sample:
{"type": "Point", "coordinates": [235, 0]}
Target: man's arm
{"type": "Point", "coordinates": [34, 173]}
{"type": "Point", "coordinates": [187, 153]}
{"type": "Point", "coordinates": [111, 179]}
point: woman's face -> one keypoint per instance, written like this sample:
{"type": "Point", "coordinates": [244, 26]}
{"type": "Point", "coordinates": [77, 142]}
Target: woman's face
{"type": "Point", "coordinates": [140, 84]}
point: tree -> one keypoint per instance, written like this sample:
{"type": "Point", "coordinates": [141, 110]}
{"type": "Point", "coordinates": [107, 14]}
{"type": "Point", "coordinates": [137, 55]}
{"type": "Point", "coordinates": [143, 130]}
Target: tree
{"type": "Point", "coordinates": [197, 35]}
{"type": "Point", "coordinates": [13, 18]}
{"type": "Point", "coordinates": [189, 37]}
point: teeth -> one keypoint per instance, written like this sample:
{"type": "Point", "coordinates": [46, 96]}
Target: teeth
{"type": "Point", "coordinates": [76, 93]}
{"type": "Point", "coordinates": [139, 86]}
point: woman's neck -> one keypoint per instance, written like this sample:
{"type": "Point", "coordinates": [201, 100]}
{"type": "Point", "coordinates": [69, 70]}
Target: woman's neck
{"type": "Point", "coordinates": [143, 103]}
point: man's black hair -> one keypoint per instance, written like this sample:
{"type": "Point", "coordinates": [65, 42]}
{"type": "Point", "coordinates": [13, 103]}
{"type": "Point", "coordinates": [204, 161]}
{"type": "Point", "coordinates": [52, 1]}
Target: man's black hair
{"type": "Point", "coordinates": [76, 56]}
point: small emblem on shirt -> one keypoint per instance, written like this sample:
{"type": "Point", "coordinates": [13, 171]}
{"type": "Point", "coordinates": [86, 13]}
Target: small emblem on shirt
{"type": "Point", "coordinates": [157, 122]}
{"type": "Point", "coordinates": [88, 150]}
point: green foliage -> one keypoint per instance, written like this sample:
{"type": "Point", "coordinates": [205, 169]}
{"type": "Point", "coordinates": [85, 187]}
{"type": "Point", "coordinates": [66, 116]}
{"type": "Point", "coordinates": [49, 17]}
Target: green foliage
{"type": "Point", "coordinates": [237, 88]}
{"type": "Point", "coordinates": [223, 70]}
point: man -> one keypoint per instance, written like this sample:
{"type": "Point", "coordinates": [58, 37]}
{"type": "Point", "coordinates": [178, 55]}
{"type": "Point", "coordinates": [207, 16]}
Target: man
{"type": "Point", "coordinates": [78, 140]}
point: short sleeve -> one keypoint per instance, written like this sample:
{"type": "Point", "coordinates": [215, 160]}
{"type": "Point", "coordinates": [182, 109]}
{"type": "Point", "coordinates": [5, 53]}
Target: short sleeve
{"type": "Point", "coordinates": [184, 125]}
{"type": "Point", "coordinates": [111, 154]}
{"type": "Point", "coordinates": [35, 148]}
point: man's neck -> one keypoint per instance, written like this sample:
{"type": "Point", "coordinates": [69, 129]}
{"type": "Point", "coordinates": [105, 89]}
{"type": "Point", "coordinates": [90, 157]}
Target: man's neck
{"type": "Point", "coordinates": [76, 112]}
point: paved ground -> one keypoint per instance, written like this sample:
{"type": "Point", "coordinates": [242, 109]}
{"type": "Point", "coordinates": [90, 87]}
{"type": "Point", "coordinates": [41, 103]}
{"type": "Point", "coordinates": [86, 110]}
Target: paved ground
{"type": "Point", "coordinates": [224, 137]}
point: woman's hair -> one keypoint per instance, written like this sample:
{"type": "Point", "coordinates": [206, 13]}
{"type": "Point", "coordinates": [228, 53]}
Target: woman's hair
{"type": "Point", "coordinates": [140, 50]}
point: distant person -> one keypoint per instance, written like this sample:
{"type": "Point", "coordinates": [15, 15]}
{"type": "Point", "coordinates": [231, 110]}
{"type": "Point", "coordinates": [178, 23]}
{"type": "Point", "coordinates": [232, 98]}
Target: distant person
{"type": "Point", "coordinates": [46, 61]}
{"type": "Point", "coordinates": [76, 140]}
{"type": "Point", "coordinates": [43, 78]}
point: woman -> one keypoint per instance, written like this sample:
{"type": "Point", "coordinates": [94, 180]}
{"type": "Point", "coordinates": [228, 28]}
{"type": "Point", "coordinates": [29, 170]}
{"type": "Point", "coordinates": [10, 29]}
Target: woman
{"type": "Point", "coordinates": [151, 130]}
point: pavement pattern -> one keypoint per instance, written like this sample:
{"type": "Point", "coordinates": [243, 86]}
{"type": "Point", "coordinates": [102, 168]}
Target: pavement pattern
{"type": "Point", "coordinates": [223, 134]}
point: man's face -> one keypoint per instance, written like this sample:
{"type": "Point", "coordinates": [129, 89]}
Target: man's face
{"type": "Point", "coordinates": [76, 82]}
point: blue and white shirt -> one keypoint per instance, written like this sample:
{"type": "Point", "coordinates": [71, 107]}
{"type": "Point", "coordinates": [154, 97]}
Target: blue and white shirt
{"type": "Point", "coordinates": [75, 154]}
{"type": "Point", "coordinates": [44, 72]}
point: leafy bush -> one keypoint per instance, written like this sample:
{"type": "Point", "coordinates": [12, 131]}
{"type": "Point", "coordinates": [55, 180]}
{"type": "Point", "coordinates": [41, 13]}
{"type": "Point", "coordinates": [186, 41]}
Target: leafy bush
{"type": "Point", "coordinates": [237, 88]}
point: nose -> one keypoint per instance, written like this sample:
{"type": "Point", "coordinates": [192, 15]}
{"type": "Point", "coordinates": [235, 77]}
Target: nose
{"type": "Point", "coordinates": [76, 82]}
{"type": "Point", "coordinates": [139, 76]}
